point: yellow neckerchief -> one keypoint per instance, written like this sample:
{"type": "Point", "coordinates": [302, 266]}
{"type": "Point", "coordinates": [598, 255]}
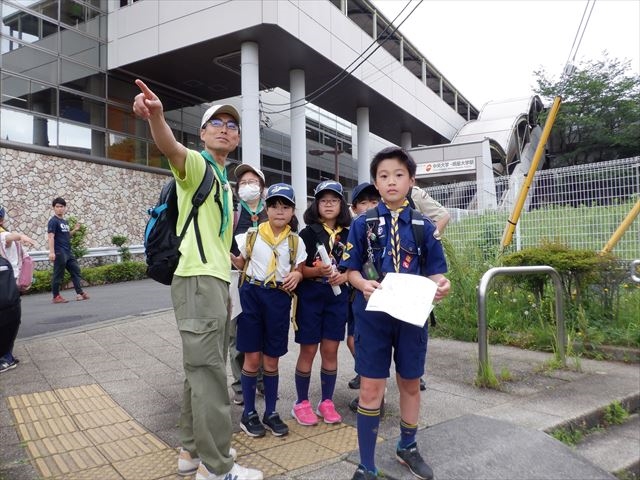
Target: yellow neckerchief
{"type": "Point", "coordinates": [332, 235]}
{"type": "Point", "coordinates": [265, 231]}
{"type": "Point", "coordinates": [395, 235]}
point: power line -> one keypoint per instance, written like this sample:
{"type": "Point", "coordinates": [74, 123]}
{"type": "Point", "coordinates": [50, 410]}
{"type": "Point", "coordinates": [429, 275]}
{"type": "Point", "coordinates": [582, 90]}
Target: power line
{"type": "Point", "coordinates": [569, 68]}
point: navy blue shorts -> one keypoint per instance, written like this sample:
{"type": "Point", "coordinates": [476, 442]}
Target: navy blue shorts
{"type": "Point", "coordinates": [263, 325]}
{"type": "Point", "coordinates": [378, 336]}
{"type": "Point", "coordinates": [320, 314]}
{"type": "Point", "coordinates": [350, 320]}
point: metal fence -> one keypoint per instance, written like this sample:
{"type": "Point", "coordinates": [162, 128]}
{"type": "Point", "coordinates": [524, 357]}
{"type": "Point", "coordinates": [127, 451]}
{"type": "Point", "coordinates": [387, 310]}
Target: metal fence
{"type": "Point", "coordinates": [580, 206]}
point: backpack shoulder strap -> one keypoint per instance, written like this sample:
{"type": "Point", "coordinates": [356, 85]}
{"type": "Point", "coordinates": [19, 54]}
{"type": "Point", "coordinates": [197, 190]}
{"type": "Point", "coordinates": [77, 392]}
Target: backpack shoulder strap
{"type": "Point", "coordinates": [201, 194]}
{"type": "Point", "coordinates": [417, 227]}
{"type": "Point", "coordinates": [293, 240]}
{"type": "Point", "coordinates": [250, 241]}
{"type": "Point", "coordinates": [372, 218]}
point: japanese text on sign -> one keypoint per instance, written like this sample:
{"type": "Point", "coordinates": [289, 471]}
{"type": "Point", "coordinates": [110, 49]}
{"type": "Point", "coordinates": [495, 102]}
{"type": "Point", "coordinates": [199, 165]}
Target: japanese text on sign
{"type": "Point", "coordinates": [446, 166]}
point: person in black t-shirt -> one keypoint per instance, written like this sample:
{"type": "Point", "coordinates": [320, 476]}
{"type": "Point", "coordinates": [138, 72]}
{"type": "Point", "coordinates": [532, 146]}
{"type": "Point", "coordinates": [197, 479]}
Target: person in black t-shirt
{"type": "Point", "coordinates": [59, 237]}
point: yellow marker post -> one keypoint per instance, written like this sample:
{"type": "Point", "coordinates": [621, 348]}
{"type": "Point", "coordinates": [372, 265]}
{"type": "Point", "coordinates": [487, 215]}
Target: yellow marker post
{"type": "Point", "coordinates": [622, 228]}
{"type": "Point", "coordinates": [524, 191]}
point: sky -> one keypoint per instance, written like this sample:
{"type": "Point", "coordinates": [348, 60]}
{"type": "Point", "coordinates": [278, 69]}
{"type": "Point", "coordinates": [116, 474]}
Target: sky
{"type": "Point", "coordinates": [489, 49]}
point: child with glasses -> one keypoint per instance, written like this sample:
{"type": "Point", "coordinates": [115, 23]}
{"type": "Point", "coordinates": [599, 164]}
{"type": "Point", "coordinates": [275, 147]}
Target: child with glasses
{"type": "Point", "coordinates": [378, 335]}
{"type": "Point", "coordinates": [270, 257]}
{"type": "Point", "coordinates": [323, 301]}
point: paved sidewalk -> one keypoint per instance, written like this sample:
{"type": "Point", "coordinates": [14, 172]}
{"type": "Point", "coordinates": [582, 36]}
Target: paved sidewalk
{"type": "Point", "coordinates": [103, 401]}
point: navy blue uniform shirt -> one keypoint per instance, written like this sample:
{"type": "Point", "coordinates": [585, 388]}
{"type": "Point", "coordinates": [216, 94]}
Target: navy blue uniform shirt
{"type": "Point", "coordinates": [355, 254]}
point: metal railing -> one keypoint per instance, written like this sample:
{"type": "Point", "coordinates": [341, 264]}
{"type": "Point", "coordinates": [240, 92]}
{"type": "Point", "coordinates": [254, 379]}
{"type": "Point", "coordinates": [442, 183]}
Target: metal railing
{"type": "Point", "coordinates": [482, 308]}
{"type": "Point", "coordinates": [43, 255]}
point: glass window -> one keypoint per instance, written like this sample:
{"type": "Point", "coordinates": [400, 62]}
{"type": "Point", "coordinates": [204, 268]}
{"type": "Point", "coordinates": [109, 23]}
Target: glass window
{"type": "Point", "coordinates": [81, 109]}
{"type": "Point", "coordinates": [25, 127]}
{"type": "Point", "coordinates": [81, 16]}
{"type": "Point", "coordinates": [81, 78]}
{"type": "Point", "coordinates": [80, 47]}
{"type": "Point", "coordinates": [156, 158]}
{"type": "Point", "coordinates": [29, 95]}
{"type": "Point", "coordinates": [35, 63]}
{"type": "Point", "coordinates": [123, 120]}
{"type": "Point", "coordinates": [127, 149]}
{"type": "Point", "coordinates": [30, 29]}
{"type": "Point", "coordinates": [75, 138]}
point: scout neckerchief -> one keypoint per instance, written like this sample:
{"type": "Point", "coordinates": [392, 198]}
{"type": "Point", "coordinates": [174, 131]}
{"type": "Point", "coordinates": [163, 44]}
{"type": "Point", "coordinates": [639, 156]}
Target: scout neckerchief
{"type": "Point", "coordinates": [332, 235]}
{"type": "Point", "coordinates": [395, 235]}
{"type": "Point", "coordinates": [265, 231]}
{"type": "Point", "coordinates": [253, 213]}
{"type": "Point", "coordinates": [221, 173]}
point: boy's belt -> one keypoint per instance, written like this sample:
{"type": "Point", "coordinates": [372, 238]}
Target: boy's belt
{"type": "Point", "coordinates": [262, 283]}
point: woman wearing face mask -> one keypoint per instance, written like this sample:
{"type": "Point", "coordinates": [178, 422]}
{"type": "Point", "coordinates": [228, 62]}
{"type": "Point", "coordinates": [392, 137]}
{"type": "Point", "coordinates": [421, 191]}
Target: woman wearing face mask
{"type": "Point", "coordinates": [249, 189]}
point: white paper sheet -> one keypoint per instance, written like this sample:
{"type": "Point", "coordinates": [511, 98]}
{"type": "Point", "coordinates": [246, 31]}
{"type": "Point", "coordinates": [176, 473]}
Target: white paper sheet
{"type": "Point", "coordinates": [234, 293]}
{"type": "Point", "coordinates": [406, 297]}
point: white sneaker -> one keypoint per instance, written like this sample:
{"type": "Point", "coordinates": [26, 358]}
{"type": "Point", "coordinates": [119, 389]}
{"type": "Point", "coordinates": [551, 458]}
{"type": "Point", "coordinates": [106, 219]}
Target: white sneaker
{"type": "Point", "coordinates": [236, 473]}
{"type": "Point", "coordinates": [188, 465]}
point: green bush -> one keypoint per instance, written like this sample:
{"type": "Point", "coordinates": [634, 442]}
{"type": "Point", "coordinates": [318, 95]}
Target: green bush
{"type": "Point", "coordinates": [78, 247]}
{"type": "Point", "coordinates": [113, 273]}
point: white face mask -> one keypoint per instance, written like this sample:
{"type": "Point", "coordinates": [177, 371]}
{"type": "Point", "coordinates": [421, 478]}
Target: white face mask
{"type": "Point", "coordinates": [249, 192]}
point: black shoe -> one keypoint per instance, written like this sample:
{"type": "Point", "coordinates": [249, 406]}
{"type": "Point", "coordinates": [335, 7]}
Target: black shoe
{"type": "Point", "coordinates": [252, 426]}
{"type": "Point", "coordinates": [238, 399]}
{"type": "Point", "coordinates": [423, 385]}
{"type": "Point", "coordinates": [363, 474]}
{"type": "Point", "coordinates": [274, 423]}
{"type": "Point", "coordinates": [354, 383]}
{"type": "Point", "coordinates": [411, 458]}
{"type": "Point", "coordinates": [353, 406]}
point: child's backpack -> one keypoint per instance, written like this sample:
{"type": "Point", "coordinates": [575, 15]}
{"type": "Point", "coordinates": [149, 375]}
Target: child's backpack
{"type": "Point", "coordinates": [25, 277]}
{"type": "Point", "coordinates": [252, 234]}
{"type": "Point", "coordinates": [161, 242]}
{"type": "Point", "coordinates": [9, 293]}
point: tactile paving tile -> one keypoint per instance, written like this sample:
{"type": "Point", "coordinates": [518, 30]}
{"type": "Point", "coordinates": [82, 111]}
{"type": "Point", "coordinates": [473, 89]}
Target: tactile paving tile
{"type": "Point", "coordinates": [38, 412]}
{"type": "Point", "coordinates": [257, 461]}
{"type": "Point", "coordinates": [69, 462]}
{"type": "Point", "coordinates": [126, 448]}
{"type": "Point", "coordinates": [340, 440]}
{"type": "Point", "coordinates": [85, 405]}
{"type": "Point", "coordinates": [46, 428]}
{"type": "Point", "coordinates": [105, 472]}
{"type": "Point", "coordinates": [297, 454]}
{"type": "Point", "coordinates": [58, 444]}
{"type": "Point", "coordinates": [117, 431]}
{"type": "Point", "coordinates": [307, 431]}
{"type": "Point", "coordinates": [101, 418]}
{"type": "Point", "coordinates": [256, 444]}
{"type": "Point", "coordinates": [148, 467]}
{"type": "Point", "coordinates": [83, 391]}
{"type": "Point", "coordinates": [32, 399]}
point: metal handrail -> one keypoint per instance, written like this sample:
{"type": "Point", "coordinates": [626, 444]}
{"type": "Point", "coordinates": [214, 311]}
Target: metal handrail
{"type": "Point", "coordinates": [43, 255]}
{"type": "Point", "coordinates": [482, 304]}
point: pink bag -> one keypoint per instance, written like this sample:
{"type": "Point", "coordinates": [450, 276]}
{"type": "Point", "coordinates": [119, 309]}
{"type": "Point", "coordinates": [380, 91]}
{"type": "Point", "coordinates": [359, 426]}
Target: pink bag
{"type": "Point", "coordinates": [25, 277]}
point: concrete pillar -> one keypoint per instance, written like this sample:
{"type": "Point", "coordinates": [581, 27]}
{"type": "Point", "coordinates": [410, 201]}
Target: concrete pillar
{"type": "Point", "coordinates": [362, 118]}
{"type": "Point", "coordinates": [405, 140]}
{"type": "Point", "coordinates": [298, 141]}
{"type": "Point", "coordinates": [40, 130]}
{"type": "Point", "coordinates": [250, 84]}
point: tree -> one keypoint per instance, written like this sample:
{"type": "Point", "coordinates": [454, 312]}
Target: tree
{"type": "Point", "coordinates": [599, 118]}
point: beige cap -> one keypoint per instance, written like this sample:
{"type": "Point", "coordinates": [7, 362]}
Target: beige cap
{"type": "Point", "coordinates": [244, 168]}
{"type": "Point", "coordinates": [215, 109]}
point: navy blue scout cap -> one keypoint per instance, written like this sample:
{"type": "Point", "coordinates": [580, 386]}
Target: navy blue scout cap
{"type": "Point", "coordinates": [360, 189]}
{"type": "Point", "coordinates": [283, 190]}
{"type": "Point", "coordinates": [331, 185]}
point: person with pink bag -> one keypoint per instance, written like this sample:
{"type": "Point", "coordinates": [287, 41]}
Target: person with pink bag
{"type": "Point", "coordinates": [11, 249]}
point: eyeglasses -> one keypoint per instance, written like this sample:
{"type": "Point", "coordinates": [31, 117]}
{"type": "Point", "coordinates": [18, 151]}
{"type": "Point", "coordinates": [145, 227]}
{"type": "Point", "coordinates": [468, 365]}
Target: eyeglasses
{"type": "Point", "coordinates": [218, 123]}
{"type": "Point", "coordinates": [329, 201]}
{"type": "Point", "coordinates": [249, 182]}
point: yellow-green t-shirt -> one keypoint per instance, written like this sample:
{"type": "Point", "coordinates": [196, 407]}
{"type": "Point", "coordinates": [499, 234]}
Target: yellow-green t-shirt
{"type": "Point", "coordinates": [216, 247]}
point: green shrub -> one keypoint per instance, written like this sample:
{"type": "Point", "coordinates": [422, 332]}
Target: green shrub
{"type": "Point", "coordinates": [119, 241]}
{"type": "Point", "coordinates": [78, 247]}
{"type": "Point", "coordinates": [112, 273]}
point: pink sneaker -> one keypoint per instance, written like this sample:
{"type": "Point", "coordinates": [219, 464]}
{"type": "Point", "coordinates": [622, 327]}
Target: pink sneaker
{"type": "Point", "coordinates": [327, 410]}
{"type": "Point", "coordinates": [303, 413]}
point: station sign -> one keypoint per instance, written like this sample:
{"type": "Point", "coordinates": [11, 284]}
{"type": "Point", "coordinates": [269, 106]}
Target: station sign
{"type": "Point", "coordinates": [447, 166]}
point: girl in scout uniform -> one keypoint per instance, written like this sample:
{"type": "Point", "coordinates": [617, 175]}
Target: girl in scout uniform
{"type": "Point", "coordinates": [269, 277]}
{"type": "Point", "coordinates": [323, 301]}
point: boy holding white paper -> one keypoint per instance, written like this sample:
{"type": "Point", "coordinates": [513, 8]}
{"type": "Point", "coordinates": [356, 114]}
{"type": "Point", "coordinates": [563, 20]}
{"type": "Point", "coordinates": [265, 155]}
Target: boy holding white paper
{"type": "Point", "coordinates": [368, 257]}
